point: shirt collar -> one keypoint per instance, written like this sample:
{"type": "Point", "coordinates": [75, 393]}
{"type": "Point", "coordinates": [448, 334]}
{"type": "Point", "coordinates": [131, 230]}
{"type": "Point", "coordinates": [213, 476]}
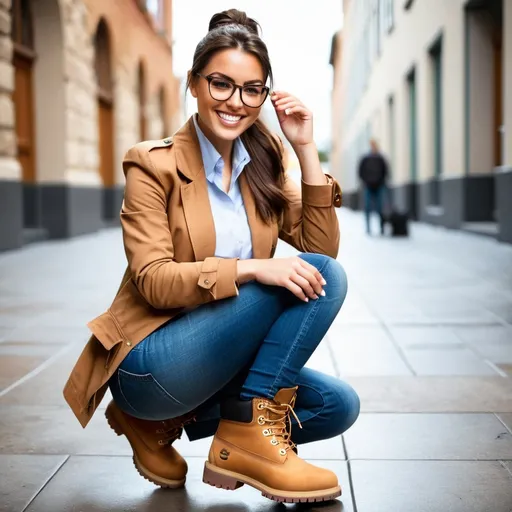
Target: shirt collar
{"type": "Point", "coordinates": [213, 162]}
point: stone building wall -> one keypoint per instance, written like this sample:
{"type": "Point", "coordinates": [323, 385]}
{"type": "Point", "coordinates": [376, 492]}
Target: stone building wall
{"type": "Point", "coordinates": [68, 195]}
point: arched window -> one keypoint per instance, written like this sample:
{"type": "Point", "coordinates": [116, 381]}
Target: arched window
{"type": "Point", "coordinates": [162, 100]}
{"type": "Point", "coordinates": [103, 68]}
{"type": "Point", "coordinates": [141, 90]}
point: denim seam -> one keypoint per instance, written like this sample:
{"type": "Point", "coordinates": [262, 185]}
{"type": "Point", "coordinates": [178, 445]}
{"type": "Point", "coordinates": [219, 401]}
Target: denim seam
{"type": "Point", "coordinates": [323, 403]}
{"type": "Point", "coordinates": [123, 395]}
{"type": "Point", "coordinates": [307, 321]}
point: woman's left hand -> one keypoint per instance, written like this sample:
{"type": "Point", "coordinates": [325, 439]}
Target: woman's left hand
{"type": "Point", "coordinates": [295, 119]}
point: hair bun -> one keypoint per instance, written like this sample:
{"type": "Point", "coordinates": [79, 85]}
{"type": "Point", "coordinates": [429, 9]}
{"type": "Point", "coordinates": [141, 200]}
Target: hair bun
{"type": "Point", "coordinates": [233, 17]}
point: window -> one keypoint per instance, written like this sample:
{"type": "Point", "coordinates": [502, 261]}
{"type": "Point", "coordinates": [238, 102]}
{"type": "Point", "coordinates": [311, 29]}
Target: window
{"type": "Point", "coordinates": [387, 10]}
{"type": "Point", "coordinates": [155, 9]}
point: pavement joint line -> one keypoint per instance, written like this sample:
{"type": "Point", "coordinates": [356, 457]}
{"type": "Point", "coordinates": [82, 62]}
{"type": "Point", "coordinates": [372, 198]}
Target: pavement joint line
{"type": "Point", "coordinates": [398, 348]}
{"type": "Point", "coordinates": [507, 469]}
{"type": "Point", "coordinates": [44, 484]}
{"type": "Point", "coordinates": [351, 484]}
{"type": "Point", "coordinates": [497, 414]}
{"type": "Point", "coordinates": [37, 370]}
{"type": "Point", "coordinates": [333, 358]}
{"type": "Point", "coordinates": [496, 368]}
{"type": "Point", "coordinates": [499, 460]}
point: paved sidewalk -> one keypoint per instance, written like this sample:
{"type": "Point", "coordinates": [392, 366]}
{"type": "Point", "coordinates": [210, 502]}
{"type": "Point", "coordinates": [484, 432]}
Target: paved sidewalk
{"type": "Point", "coordinates": [425, 337]}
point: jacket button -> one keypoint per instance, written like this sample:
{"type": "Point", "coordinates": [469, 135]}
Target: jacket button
{"type": "Point", "coordinates": [129, 343]}
{"type": "Point", "coordinates": [206, 282]}
{"type": "Point", "coordinates": [337, 197]}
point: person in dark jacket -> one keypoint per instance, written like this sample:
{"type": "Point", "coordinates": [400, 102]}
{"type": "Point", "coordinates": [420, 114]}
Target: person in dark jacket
{"type": "Point", "coordinates": [373, 172]}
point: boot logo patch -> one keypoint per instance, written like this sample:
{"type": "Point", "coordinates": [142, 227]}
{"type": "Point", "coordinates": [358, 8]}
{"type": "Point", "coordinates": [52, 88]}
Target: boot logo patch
{"type": "Point", "coordinates": [224, 454]}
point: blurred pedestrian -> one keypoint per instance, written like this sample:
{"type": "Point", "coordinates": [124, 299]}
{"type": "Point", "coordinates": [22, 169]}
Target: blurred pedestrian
{"type": "Point", "coordinates": [207, 325]}
{"type": "Point", "coordinates": [373, 172]}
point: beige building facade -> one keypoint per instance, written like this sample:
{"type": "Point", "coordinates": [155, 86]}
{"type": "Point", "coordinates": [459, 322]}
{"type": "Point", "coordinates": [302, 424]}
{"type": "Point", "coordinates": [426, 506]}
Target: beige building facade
{"type": "Point", "coordinates": [431, 80]}
{"type": "Point", "coordinates": [80, 82]}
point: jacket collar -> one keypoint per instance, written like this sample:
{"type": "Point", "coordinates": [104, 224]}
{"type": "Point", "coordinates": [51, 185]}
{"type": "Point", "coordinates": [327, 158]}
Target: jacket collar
{"type": "Point", "coordinates": [188, 151]}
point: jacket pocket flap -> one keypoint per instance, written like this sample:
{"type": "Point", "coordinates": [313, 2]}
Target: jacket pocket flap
{"type": "Point", "coordinates": [106, 331]}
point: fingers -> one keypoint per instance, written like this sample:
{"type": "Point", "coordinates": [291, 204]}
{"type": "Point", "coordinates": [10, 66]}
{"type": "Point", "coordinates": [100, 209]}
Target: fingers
{"type": "Point", "coordinates": [308, 278]}
{"type": "Point", "coordinates": [305, 285]}
{"type": "Point", "coordinates": [313, 270]}
{"type": "Point", "coordinates": [296, 290]}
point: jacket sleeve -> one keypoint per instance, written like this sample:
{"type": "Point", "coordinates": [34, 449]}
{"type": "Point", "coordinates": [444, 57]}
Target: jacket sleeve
{"type": "Point", "coordinates": [310, 223]}
{"type": "Point", "coordinates": [163, 282]}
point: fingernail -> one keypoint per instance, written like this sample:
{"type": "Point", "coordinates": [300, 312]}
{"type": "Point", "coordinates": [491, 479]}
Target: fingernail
{"type": "Point", "coordinates": [287, 111]}
{"type": "Point", "coordinates": [324, 282]}
{"type": "Point", "coordinates": [306, 300]}
{"type": "Point", "coordinates": [322, 293]}
{"type": "Point", "coordinates": [316, 296]}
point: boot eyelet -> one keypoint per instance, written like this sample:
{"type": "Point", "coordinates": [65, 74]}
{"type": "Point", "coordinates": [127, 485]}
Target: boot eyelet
{"type": "Point", "coordinates": [274, 442]}
{"type": "Point", "coordinates": [261, 406]}
{"type": "Point", "coordinates": [282, 452]}
{"type": "Point", "coordinates": [159, 431]}
{"type": "Point", "coordinates": [266, 432]}
{"type": "Point", "coordinates": [261, 420]}
{"type": "Point", "coordinates": [161, 443]}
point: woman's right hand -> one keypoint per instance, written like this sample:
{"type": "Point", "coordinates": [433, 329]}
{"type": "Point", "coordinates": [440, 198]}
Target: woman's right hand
{"type": "Point", "coordinates": [293, 273]}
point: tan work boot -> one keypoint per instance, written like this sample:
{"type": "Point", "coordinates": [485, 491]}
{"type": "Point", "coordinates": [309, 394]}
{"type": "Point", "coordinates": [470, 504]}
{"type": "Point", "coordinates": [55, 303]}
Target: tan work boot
{"type": "Point", "coordinates": [153, 454]}
{"type": "Point", "coordinates": [252, 446]}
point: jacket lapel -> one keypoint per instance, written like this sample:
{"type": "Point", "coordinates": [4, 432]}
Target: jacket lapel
{"type": "Point", "coordinates": [196, 203]}
{"type": "Point", "coordinates": [261, 233]}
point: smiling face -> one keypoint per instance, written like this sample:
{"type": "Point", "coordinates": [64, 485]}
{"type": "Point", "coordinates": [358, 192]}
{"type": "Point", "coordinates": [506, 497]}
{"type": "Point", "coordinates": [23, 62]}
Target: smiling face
{"type": "Point", "coordinates": [223, 121]}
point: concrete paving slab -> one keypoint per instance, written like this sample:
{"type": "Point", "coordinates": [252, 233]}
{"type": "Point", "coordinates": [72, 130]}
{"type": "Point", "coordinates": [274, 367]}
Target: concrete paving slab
{"type": "Point", "coordinates": [55, 430]}
{"type": "Point", "coordinates": [47, 335]}
{"type": "Point", "coordinates": [491, 342]}
{"type": "Point", "coordinates": [433, 394]}
{"type": "Point", "coordinates": [418, 337]}
{"type": "Point", "coordinates": [23, 476]}
{"type": "Point", "coordinates": [321, 359]}
{"type": "Point", "coordinates": [450, 360]}
{"type": "Point", "coordinates": [365, 351]}
{"type": "Point", "coordinates": [81, 486]}
{"type": "Point", "coordinates": [17, 360]}
{"type": "Point", "coordinates": [429, 436]}
{"type": "Point", "coordinates": [506, 418]}
{"type": "Point", "coordinates": [431, 486]}
{"type": "Point", "coordinates": [45, 388]}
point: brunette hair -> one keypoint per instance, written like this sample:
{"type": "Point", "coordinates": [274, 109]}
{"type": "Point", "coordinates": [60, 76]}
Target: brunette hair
{"type": "Point", "coordinates": [265, 172]}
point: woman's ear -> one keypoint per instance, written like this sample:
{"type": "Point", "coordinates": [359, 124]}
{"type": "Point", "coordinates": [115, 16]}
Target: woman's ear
{"type": "Point", "coordinates": [192, 82]}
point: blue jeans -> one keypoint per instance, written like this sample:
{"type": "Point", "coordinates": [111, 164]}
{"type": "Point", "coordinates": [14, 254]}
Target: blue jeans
{"type": "Point", "coordinates": [250, 346]}
{"type": "Point", "coordinates": [374, 200]}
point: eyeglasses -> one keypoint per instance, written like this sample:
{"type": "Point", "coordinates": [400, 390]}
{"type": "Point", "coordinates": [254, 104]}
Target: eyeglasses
{"type": "Point", "coordinates": [252, 96]}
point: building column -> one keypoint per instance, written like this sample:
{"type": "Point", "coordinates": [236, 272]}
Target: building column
{"type": "Point", "coordinates": [503, 180]}
{"type": "Point", "coordinates": [11, 192]}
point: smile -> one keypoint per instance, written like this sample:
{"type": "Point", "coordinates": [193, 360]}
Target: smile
{"type": "Point", "coordinates": [229, 119]}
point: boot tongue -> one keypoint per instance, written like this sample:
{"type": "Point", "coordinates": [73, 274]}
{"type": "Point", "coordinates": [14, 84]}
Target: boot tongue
{"type": "Point", "coordinates": [285, 395]}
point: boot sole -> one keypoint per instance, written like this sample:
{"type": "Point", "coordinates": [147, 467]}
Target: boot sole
{"type": "Point", "coordinates": [230, 481]}
{"type": "Point", "coordinates": [143, 471]}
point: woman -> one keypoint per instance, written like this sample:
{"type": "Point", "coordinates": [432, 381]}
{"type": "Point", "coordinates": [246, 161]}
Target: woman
{"type": "Point", "coordinates": [208, 331]}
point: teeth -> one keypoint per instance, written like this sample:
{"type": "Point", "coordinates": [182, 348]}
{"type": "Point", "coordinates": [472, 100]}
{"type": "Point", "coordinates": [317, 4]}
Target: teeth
{"type": "Point", "coordinates": [232, 119]}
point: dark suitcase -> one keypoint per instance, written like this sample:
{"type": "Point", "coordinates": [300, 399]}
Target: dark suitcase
{"type": "Point", "coordinates": [399, 224]}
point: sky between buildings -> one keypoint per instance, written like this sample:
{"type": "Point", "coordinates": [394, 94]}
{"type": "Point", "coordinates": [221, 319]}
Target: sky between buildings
{"type": "Point", "coordinates": [298, 35]}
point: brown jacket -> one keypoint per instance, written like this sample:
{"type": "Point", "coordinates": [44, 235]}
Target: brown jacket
{"type": "Point", "coordinates": [169, 239]}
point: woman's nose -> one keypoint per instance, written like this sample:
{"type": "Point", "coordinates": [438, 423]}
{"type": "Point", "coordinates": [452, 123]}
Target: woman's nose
{"type": "Point", "coordinates": [235, 101]}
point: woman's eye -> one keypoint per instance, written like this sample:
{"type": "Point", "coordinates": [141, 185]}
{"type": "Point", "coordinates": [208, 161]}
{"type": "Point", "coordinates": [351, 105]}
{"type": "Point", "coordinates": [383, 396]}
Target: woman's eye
{"type": "Point", "coordinates": [253, 91]}
{"type": "Point", "coordinates": [219, 84]}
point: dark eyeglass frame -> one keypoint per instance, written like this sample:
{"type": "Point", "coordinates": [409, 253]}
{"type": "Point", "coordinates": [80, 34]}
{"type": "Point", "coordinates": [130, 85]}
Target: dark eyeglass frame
{"type": "Point", "coordinates": [210, 78]}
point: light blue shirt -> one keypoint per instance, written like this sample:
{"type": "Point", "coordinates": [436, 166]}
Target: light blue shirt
{"type": "Point", "coordinates": [233, 235]}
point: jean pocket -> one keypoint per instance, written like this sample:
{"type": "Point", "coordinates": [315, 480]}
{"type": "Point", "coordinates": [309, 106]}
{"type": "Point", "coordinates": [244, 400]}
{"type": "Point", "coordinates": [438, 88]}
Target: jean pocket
{"type": "Point", "coordinates": [147, 397]}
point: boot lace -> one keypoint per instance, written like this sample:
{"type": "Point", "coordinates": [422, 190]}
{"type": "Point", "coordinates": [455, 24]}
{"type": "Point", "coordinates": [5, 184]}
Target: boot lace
{"type": "Point", "coordinates": [173, 430]}
{"type": "Point", "coordinates": [279, 425]}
